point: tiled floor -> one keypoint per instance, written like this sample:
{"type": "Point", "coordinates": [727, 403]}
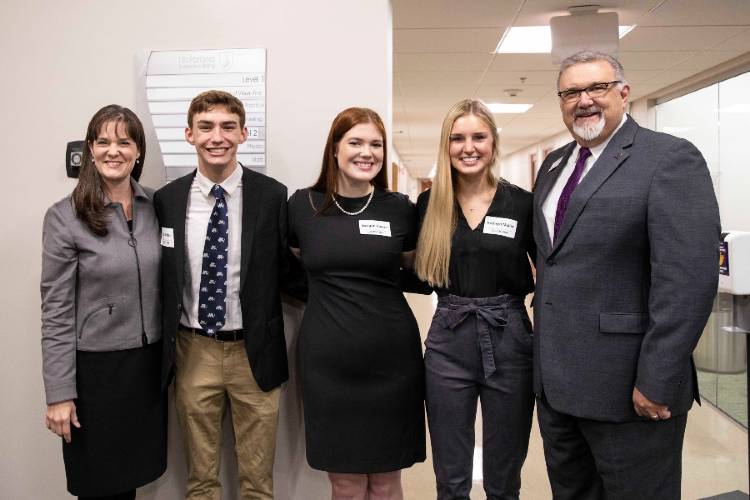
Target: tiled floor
{"type": "Point", "coordinates": [714, 458]}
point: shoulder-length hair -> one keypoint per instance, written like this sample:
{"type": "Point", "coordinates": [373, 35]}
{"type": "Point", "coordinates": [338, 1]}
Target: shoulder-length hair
{"type": "Point", "coordinates": [328, 179]}
{"type": "Point", "coordinates": [434, 244]}
{"type": "Point", "coordinates": [88, 195]}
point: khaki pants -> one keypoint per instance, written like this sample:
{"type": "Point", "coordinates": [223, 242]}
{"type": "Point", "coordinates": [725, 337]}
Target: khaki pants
{"type": "Point", "coordinates": [207, 373]}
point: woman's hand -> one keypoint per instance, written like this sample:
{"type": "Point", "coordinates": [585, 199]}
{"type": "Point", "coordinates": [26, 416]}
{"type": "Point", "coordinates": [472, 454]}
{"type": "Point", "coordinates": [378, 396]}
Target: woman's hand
{"type": "Point", "coordinates": [295, 252]}
{"type": "Point", "coordinates": [407, 259]}
{"type": "Point", "coordinates": [60, 416]}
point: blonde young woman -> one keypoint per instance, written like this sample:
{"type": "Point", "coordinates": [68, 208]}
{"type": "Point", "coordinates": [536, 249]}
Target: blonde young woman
{"type": "Point", "coordinates": [474, 246]}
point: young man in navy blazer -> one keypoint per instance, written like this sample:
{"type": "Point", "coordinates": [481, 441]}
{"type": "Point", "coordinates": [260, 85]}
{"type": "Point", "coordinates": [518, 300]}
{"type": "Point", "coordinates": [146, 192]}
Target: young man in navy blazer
{"type": "Point", "coordinates": [223, 234]}
{"type": "Point", "coordinates": [627, 232]}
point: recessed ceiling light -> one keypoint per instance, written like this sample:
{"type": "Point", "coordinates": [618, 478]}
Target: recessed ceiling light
{"type": "Point", "coordinates": [533, 40]}
{"type": "Point", "coordinates": [503, 107]}
{"type": "Point", "coordinates": [499, 129]}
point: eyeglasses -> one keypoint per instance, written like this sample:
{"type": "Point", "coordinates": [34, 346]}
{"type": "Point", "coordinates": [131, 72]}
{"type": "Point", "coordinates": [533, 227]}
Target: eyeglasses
{"type": "Point", "coordinates": [594, 90]}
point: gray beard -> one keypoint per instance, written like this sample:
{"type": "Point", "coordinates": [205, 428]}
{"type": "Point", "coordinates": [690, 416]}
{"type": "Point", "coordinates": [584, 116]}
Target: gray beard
{"type": "Point", "coordinates": [589, 132]}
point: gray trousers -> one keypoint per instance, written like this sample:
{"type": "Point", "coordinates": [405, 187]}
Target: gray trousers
{"type": "Point", "coordinates": [479, 348]}
{"type": "Point", "coordinates": [591, 460]}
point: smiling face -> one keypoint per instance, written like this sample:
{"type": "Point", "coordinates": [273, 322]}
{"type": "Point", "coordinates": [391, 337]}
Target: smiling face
{"type": "Point", "coordinates": [216, 133]}
{"type": "Point", "coordinates": [471, 146]}
{"type": "Point", "coordinates": [592, 120]}
{"type": "Point", "coordinates": [114, 153]}
{"type": "Point", "coordinates": [359, 155]}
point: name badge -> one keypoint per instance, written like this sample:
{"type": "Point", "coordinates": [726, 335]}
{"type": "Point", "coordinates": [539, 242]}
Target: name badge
{"type": "Point", "coordinates": [375, 227]}
{"type": "Point", "coordinates": [500, 226]}
{"type": "Point", "coordinates": [167, 237]}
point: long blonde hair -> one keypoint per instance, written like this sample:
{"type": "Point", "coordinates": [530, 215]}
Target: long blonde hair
{"type": "Point", "coordinates": [434, 244]}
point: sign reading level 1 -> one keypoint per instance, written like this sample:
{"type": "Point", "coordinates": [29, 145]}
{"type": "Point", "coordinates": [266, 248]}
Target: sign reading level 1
{"type": "Point", "coordinates": [376, 227]}
{"type": "Point", "coordinates": [175, 77]}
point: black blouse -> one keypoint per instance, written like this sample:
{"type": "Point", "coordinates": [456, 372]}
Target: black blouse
{"type": "Point", "coordinates": [493, 258]}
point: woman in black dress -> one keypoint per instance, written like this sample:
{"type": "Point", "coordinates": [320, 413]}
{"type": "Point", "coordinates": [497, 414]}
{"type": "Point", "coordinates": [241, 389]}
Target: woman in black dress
{"type": "Point", "coordinates": [474, 246]}
{"type": "Point", "coordinates": [101, 322]}
{"type": "Point", "coordinates": [360, 357]}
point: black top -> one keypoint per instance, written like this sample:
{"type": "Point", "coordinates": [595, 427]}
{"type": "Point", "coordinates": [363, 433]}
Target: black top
{"type": "Point", "coordinates": [360, 356]}
{"type": "Point", "coordinates": [483, 264]}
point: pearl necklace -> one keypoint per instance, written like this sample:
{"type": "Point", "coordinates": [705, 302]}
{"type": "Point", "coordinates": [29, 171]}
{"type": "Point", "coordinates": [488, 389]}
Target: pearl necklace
{"type": "Point", "coordinates": [367, 203]}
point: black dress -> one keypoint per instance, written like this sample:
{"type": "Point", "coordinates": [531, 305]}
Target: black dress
{"type": "Point", "coordinates": [360, 356]}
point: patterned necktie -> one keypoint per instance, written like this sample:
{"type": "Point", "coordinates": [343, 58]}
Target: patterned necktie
{"type": "Point", "coordinates": [212, 296]}
{"type": "Point", "coordinates": [567, 192]}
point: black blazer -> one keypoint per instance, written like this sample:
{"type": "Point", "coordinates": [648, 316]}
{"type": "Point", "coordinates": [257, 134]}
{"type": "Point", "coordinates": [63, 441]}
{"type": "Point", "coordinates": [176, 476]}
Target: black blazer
{"type": "Point", "coordinates": [626, 288]}
{"type": "Point", "coordinates": [264, 263]}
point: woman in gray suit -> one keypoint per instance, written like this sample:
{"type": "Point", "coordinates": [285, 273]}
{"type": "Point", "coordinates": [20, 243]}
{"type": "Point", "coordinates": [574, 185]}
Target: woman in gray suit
{"type": "Point", "coordinates": [101, 328]}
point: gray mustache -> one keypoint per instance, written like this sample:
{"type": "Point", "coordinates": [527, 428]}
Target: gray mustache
{"type": "Point", "coordinates": [587, 111]}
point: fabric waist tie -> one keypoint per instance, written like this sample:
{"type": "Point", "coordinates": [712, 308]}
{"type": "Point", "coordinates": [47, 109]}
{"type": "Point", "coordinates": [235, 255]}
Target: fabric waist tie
{"type": "Point", "coordinates": [491, 311]}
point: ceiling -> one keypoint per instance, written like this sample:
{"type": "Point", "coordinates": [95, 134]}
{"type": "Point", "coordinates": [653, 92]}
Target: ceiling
{"type": "Point", "coordinates": [444, 52]}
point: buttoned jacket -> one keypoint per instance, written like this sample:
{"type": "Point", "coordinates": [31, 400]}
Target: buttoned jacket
{"type": "Point", "coordinates": [625, 289]}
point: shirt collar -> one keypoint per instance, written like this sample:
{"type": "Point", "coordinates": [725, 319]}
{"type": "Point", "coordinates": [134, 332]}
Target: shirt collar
{"type": "Point", "coordinates": [230, 184]}
{"type": "Point", "coordinates": [138, 192]}
{"type": "Point", "coordinates": [596, 151]}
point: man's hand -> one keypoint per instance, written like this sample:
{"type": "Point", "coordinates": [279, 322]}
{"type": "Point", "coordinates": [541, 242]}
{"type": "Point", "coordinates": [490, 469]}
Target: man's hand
{"type": "Point", "coordinates": [644, 407]}
{"type": "Point", "coordinates": [59, 417]}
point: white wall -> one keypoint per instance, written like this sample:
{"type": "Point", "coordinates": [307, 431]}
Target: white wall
{"type": "Point", "coordinates": [61, 62]}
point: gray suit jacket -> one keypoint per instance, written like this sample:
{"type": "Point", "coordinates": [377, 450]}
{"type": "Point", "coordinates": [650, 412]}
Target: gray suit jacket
{"type": "Point", "coordinates": [624, 292]}
{"type": "Point", "coordinates": [99, 293]}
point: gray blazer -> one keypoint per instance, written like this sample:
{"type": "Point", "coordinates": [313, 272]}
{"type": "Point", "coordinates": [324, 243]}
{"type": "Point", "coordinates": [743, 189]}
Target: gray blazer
{"type": "Point", "coordinates": [624, 292]}
{"type": "Point", "coordinates": [98, 293]}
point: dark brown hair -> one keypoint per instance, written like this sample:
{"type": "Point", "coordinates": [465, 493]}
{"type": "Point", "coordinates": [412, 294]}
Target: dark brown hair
{"type": "Point", "coordinates": [208, 100]}
{"type": "Point", "coordinates": [88, 195]}
{"type": "Point", "coordinates": [328, 179]}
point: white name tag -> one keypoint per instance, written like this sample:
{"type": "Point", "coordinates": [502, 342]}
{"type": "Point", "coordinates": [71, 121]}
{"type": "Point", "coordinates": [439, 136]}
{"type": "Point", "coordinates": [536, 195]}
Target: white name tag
{"type": "Point", "coordinates": [167, 237]}
{"type": "Point", "coordinates": [500, 226]}
{"type": "Point", "coordinates": [376, 227]}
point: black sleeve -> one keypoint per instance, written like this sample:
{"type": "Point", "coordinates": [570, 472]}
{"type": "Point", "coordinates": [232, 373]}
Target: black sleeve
{"type": "Point", "coordinates": [293, 278]}
{"type": "Point", "coordinates": [408, 279]}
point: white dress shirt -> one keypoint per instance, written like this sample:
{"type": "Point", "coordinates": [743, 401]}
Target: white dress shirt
{"type": "Point", "coordinates": [549, 206]}
{"type": "Point", "coordinates": [200, 205]}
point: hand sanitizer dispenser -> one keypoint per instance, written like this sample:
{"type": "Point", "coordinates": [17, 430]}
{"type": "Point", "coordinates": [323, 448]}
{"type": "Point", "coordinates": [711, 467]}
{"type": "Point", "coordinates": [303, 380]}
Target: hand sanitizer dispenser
{"type": "Point", "coordinates": [734, 277]}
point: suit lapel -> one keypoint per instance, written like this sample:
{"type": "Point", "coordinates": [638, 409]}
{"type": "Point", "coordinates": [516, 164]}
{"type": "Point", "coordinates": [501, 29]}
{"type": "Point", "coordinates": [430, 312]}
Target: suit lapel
{"type": "Point", "coordinates": [611, 158]}
{"type": "Point", "coordinates": [180, 203]}
{"type": "Point", "coordinates": [251, 203]}
{"type": "Point", "coordinates": [547, 179]}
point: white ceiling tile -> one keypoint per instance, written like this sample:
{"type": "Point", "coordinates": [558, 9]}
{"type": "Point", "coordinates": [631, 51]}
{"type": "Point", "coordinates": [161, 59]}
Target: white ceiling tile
{"type": "Point", "coordinates": [433, 77]}
{"type": "Point", "coordinates": [706, 60]}
{"type": "Point", "coordinates": [646, 38]}
{"type": "Point", "coordinates": [654, 60]}
{"type": "Point", "coordinates": [699, 13]}
{"type": "Point", "coordinates": [467, 61]}
{"type": "Point", "coordinates": [451, 14]}
{"type": "Point", "coordinates": [513, 78]}
{"type": "Point", "coordinates": [502, 93]}
{"type": "Point", "coordinates": [740, 42]}
{"type": "Point", "coordinates": [446, 40]}
{"type": "Point", "coordinates": [522, 62]}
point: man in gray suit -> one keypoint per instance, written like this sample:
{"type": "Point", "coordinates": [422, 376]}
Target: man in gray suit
{"type": "Point", "coordinates": [627, 230]}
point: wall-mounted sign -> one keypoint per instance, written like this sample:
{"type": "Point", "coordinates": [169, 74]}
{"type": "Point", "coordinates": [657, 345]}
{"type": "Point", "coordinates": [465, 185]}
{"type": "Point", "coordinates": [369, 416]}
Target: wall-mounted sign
{"type": "Point", "coordinates": [174, 77]}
